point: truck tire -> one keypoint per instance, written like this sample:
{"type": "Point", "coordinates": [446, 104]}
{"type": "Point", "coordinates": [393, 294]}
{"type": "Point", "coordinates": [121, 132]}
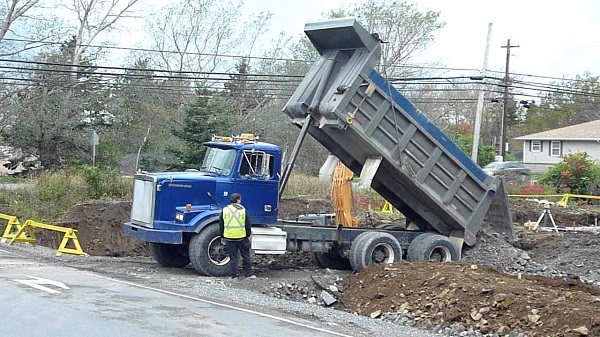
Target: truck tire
{"type": "Point", "coordinates": [331, 260]}
{"type": "Point", "coordinates": [430, 246]}
{"type": "Point", "coordinates": [376, 247]}
{"type": "Point", "coordinates": [354, 250]}
{"type": "Point", "coordinates": [173, 256]}
{"type": "Point", "coordinates": [207, 255]}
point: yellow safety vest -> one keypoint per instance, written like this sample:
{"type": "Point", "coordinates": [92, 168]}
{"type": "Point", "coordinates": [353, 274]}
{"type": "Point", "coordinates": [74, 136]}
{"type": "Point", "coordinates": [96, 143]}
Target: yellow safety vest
{"type": "Point", "coordinates": [234, 220]}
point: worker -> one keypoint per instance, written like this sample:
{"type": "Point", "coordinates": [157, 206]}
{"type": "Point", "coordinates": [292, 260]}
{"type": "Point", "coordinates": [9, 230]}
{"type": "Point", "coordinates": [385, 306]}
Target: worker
{"type": "Point", "coordinates": [235, 229]}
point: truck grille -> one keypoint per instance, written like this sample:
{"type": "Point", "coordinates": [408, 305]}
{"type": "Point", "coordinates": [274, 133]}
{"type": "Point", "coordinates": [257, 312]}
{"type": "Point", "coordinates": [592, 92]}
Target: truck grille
{"type": "Point", "coordinates": [142, 208]}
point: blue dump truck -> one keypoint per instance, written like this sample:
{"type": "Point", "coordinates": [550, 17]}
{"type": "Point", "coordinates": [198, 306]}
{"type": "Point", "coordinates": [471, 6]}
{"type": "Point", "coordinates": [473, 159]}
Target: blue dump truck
{"type": "Point", "coordinates": [348, 107]}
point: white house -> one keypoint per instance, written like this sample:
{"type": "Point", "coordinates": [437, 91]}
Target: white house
{"type": "Point", "coordinates": [544, 149]}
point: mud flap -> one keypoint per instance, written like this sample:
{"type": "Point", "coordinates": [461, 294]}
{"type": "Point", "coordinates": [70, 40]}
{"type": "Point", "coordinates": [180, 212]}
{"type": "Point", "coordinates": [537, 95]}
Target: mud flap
{"type": "Point", "coordinates": [499, 216]}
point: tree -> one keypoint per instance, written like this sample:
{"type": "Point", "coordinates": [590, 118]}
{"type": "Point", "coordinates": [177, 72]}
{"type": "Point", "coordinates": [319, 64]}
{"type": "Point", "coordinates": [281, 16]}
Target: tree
{"type": "Point", "coordinates": [195, 35]}
{"type": "Point", "coordinates": [94, 17]}
{"type": "Point", "coordinates": [20, 26]}
{"type": "Point", "coordinates": [569, 102]}
{"type": "Point", "coordinates": [207, 115]}
{"type": "Point", "coordinates": [406, 30]}
{"type": "Point", "coordinates": [485, 153]}
{"type": "Point", "coordinates": [48, 126]}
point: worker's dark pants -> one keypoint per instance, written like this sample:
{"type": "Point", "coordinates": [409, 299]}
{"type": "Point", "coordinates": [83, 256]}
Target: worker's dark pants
{"type": "Point", "coordinates": [243, 246]}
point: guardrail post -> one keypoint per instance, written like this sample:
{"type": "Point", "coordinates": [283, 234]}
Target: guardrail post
{"type": "Point", "coordinates": [69, 235]}
{"type": "Point", "coordinates": [21, 237]}
{"type": "Point", "coordinates": [12, 228]}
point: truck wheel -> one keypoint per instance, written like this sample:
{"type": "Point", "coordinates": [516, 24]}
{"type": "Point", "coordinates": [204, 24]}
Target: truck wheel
{"type": "Point", "coordinates": [429, 246]}
{"type": "Point", "coordinates": [207, 255]}
{"type": "Point", "coordinates": [376, 247]}
{"type": "Point", "coordinates": [174, 256]}
{"type": "Point", "coordinates": [331, 260]}
{"type": "Point", "coordinates": [354, 249]}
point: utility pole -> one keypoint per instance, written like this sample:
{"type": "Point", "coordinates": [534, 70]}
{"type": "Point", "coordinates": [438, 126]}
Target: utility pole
{"type": "Point", "coordinates": [503, 138]}
{"type": "Point", "coordinates": [475, 149]}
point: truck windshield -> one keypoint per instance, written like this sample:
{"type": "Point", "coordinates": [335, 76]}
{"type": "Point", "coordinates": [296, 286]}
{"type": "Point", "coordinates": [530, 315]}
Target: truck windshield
{"type": "Point", "coordinates": [219, 161]}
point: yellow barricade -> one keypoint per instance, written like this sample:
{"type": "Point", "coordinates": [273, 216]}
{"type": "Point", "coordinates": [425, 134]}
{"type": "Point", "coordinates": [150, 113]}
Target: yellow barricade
{"type": "Point", "coordinates": [12, 228]}
{"type": "Point", "coordinates": [565, 200]}
{"type": "Point", "coordinates": [30, 225]}
{"type": "Point", "coordinates": [387, 208]}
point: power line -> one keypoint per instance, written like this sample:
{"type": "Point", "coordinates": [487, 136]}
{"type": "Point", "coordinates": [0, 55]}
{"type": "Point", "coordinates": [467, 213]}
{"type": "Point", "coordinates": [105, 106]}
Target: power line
{"type": "Point", "coordinates": [234, 56]}
{"type": "Point", "coordinates": [143, 70]}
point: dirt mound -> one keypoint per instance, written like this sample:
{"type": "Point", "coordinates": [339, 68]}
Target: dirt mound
{"type": "Point", "coordinates": [99, 229]}
{"type": "Point", "coordinates": [476, 296]}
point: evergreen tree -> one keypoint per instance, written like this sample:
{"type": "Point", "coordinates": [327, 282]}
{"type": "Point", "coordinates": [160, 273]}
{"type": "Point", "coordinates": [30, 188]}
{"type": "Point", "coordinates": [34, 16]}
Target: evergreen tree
{"type": "Point", "coordinates": [209, 114]}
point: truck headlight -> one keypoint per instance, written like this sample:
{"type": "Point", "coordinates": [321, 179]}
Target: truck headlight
{"type": "Point", "coordinates": [179, 216]}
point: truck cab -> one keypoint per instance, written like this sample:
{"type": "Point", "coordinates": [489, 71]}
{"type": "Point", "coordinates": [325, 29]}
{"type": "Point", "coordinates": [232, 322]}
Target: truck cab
{"type": "Point", "coordinates": [170, 208]}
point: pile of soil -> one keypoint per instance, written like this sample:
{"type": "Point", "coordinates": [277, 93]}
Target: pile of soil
{"type": "Point", "coordinates": [476, 296]}
{"type": "Point", "coordinates": [99, 229]}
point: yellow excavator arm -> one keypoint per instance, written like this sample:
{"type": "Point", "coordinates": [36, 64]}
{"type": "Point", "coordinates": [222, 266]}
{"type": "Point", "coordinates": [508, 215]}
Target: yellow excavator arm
{"type": "Point", "coordinates": [341, 196]}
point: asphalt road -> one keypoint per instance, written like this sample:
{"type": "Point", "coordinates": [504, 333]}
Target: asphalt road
{"type": "Point", "coordinates": [37, 299]}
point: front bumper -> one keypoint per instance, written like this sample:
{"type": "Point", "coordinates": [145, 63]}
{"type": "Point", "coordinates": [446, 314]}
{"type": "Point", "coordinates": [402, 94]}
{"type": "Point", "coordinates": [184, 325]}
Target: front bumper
{"type": "Point", "coordinates": [152, 235]}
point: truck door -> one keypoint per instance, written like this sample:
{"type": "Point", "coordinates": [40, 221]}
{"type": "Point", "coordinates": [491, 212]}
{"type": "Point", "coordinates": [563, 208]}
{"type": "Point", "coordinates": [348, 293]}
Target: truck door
{"type": "Point", "coordinates": [258, 184]}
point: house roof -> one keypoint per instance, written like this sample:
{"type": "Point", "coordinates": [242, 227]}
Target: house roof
{"type": "Point", "coordinates": [583, 131]}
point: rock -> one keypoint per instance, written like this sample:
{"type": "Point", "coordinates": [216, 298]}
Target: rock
{"type": "Point", "coordinates": [500, 297]}
{"type": "Point", "coordinates": [582, 330]}
{"type": "Point", "coordinates": [484, 310]}
{"type": "Point", "coordinates": [533, 318]}
{"type": "Point", "coordinates": [312, 300]}
{"type": "Point", "coordinates": [327, 298]}
{"type": "Point", "coordinates": [475, 315]}
{"type": "Point", "coordinates": [503, 330]}
{"type": "Point", "coordinates": [405, 306]}
{"type": "Point", "coordinates": [333, 289]}
{"type": "Point", "coordinates": [375, 314]}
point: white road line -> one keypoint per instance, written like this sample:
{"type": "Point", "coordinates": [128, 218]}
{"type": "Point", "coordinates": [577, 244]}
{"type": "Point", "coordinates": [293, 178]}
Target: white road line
{"type": "Point", "coordinates": [258, 313]}
{"type": "Point", "coordinates": [36, 282]}
{"type": "Point", "coordinates": [9, 253]}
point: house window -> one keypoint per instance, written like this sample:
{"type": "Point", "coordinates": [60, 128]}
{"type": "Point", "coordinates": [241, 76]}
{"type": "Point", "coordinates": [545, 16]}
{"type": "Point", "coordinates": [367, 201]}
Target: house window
{"type": "Point", "coordinates": [555, 148]}
{"type": "Point", "coordinates": [536, 146]}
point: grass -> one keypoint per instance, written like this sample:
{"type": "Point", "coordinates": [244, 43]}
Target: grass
{"type": "Point", "coordinates": [51, 194]}
{"type": "Point", "coordinates": [302, 184]}
{"type": "Point", "coordinates": [13, 179]}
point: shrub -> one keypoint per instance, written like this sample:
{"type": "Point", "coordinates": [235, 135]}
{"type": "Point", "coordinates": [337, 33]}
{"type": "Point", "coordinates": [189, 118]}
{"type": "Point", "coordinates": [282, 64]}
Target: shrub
{"type": "Point", "coordinates": [577, 174]}
{"type": "Point", "coordinates": [51, 194]}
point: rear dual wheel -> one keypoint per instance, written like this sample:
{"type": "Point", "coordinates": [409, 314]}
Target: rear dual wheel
{"type": "Point", "coordinates": [374, 247]}
{"type": "Point", "coordinates": [430, 246]}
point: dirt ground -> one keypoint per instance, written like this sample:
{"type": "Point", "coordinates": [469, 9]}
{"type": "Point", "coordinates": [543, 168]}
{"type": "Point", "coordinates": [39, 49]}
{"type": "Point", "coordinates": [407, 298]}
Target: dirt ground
{"type": "Point", "coordinates": [543, 284]}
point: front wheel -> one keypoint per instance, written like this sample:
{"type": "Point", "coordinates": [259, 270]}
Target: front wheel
{"type": "Point", "coordinates": [207, 255]}
{"type": "Point", "coordinates": [174, 256]}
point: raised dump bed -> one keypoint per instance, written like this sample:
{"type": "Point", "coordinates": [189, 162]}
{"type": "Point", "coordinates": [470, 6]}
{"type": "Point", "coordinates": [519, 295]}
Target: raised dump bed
{"type": "Point", "coordinates": [381, 136]}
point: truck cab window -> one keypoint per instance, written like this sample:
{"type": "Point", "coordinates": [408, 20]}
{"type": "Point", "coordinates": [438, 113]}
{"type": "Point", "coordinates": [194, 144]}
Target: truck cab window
{"type": "Point", "coordinates": [219, 161]}
{"type": "Point", "coordinates": [256, 165]}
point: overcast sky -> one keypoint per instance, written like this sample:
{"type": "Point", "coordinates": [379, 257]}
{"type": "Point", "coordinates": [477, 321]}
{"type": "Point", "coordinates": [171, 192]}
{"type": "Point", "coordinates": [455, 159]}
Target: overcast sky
{"type": "Point", "coordinates": [556, 39]}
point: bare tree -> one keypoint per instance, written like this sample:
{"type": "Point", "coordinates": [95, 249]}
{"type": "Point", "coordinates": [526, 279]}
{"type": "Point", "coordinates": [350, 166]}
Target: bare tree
{"type": "Point", "coordinates": [95, 17]}
{"type": "Point", "coordinates": [202, 35]}
{"type": "Point", "coordinates": [405, 30]}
